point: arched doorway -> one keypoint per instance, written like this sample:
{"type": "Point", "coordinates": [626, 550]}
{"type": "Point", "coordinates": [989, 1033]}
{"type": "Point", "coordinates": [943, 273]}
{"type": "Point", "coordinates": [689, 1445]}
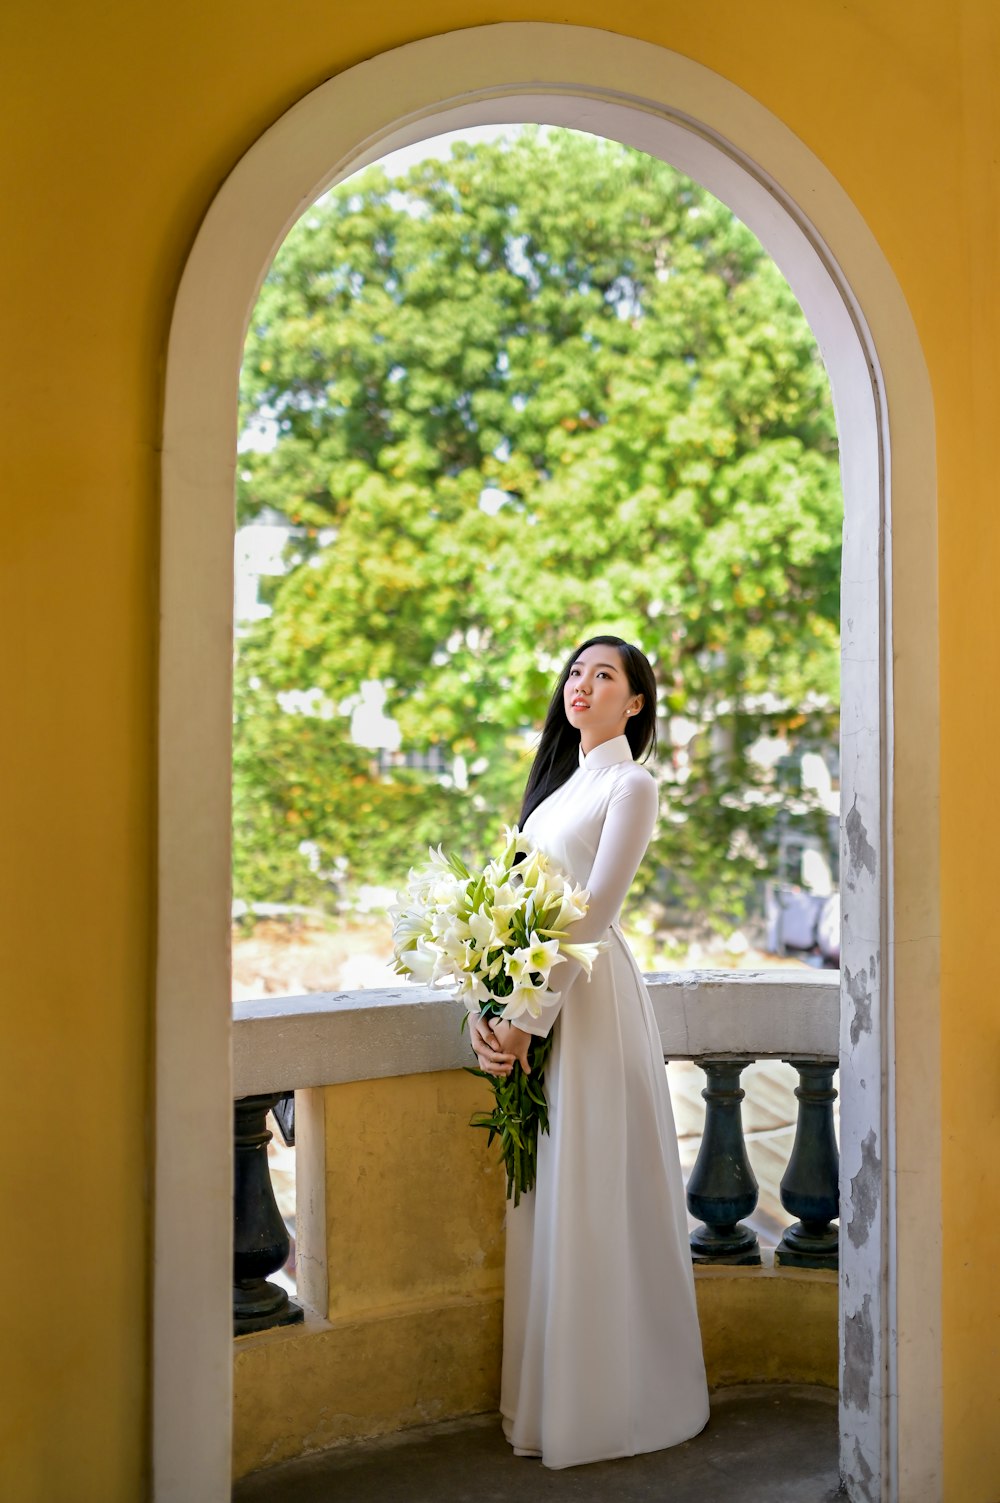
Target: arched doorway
{"type": "Point", "coordinates": [669, 107]}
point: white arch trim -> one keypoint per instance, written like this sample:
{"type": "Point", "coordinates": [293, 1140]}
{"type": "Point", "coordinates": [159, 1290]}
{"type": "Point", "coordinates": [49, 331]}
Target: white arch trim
{"type": "Point", "coordinates": [676, 109]}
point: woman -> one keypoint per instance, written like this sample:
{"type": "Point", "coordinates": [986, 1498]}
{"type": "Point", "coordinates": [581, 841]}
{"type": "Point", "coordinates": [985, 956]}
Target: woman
{"type": "Point", "coordinates": [602, 1350]}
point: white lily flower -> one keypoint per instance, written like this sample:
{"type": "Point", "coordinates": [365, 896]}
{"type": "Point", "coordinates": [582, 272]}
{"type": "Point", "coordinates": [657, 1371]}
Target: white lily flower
{"type": "Point", "coordinates": [409, 925]}
{"type": "Point", "coordinates": [471, 991]}
{"type": "Point", "coordinates": [500, 934]}
{"type": "Point", "coordinates": [527, 999]}
{"type": "Point", "coordinates": [496, 873]}
{"type": "Point", "coordinates": [505, 896]}
{"type": "Point", "coordinates": [446, 970]}
{"type": "Point", "coordinates": [573, 904]}
{"type": "Point", "coordinates": [503, 909]}
{"type": "Point", "coordinates": [586, 954]}
{"type": "Point", "coordinates": [480, 926]}
{"type": "Point", "coordinates": [464, 960]}
{"type": "Point", "coordinates": [440, 922]}
{"type": "Point", "coordinates": [538, 956]}
{"type": "Point", "coordinates": [517, 967]}
{"type": "Point", "coordinates": [455, 937]}
{"type": "Point", "coordinates": [420, 962]}
{"type": "Point", "coordinates": [447, 892]}
{"type": "Point", "coordinates": [515, 844]}
{"type": "Point", "coordinates": [534, 869]}
{"type": "Point", "coordinates": [495, 966]}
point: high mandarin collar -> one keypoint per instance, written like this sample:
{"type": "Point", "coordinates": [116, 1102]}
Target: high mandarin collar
{"type": "Point", "coordinates": [607, 753]}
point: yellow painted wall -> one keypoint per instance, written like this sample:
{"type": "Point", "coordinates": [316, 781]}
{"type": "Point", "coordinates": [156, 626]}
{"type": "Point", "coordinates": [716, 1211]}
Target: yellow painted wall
{"type": "Point", "coordinates": [119, 123]}
{"type": "Point", "coordinates": [411, 1232]}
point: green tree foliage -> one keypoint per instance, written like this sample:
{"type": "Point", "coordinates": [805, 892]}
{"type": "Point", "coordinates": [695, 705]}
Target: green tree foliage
{"type": "Point", "coordinates": [545, 387]}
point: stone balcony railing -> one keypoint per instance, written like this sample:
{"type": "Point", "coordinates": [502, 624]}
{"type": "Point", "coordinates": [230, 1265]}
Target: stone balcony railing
{"type": "Point", "coordinates": [399, 1216]}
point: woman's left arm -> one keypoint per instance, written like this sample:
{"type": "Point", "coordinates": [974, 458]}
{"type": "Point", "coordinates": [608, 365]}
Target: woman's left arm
{"type": "Point", "coordinates": [628, 826]}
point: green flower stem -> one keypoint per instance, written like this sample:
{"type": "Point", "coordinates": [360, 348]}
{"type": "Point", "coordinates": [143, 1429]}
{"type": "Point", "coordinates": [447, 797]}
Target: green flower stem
{"type": "Point", "coordinates": [519, 1114]}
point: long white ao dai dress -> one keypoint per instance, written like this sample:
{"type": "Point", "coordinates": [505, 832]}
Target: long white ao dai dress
{"type": "Point", "coordinates": [602, 1350]}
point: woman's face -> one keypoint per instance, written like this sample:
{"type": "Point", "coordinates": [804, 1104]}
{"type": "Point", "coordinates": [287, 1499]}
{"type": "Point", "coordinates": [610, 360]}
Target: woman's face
{"type": "Point", "coordinates": [597, 697]}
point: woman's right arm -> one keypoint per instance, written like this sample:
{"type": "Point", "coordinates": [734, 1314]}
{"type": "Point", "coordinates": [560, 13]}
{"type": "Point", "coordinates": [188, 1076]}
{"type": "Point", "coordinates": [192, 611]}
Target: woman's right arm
{"type": "Point", "coordinates": [627, 829]}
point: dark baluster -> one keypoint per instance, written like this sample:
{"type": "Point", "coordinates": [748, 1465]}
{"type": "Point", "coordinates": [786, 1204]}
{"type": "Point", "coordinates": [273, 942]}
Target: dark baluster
{"type": "Point", "coordinates": [283, 1112]}
{"type": "Point", "coordinates": [260, 1240]}
{"type": "Point", "coordinates": [809, 1184]}
{"type": "Point", "coordinates": [722, 1188]}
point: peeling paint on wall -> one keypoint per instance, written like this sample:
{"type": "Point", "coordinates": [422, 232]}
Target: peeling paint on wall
{"type": "Point", "coordinates": [865, 1187]}
{"type": "Point", "coordinates": [860, 992]}
{"type": "Point", "coordinates": [863, 1473]}
{"type": "Point", "coordinates": [860, 848]}
{"type": "Point", "coordinates": [859, 1357]}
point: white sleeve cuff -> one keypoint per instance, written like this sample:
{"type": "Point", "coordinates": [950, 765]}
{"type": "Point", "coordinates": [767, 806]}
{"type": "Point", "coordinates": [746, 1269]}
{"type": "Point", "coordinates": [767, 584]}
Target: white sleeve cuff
{"type": "Point", "coordinates": [541, 1027]}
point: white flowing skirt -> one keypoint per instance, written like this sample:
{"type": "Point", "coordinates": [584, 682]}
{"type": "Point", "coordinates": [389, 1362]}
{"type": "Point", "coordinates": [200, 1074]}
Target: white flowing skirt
{"type": "Point", "coordinates": [602, 1350]}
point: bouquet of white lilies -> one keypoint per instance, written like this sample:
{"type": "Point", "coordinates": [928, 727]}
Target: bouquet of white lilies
{"type": "Point", "coordinates": [498, 935]}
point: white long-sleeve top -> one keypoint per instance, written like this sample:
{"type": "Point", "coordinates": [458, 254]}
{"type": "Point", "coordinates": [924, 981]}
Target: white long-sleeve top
{"type": "Point", "coordinates": [596, 826]}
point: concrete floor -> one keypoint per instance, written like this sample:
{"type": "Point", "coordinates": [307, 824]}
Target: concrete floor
{"type": "Point", "coordinates": [761, 1445]}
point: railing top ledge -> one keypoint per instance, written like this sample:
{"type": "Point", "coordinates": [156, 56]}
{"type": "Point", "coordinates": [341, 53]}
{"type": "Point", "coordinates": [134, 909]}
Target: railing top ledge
{"type": "Point", "coordinates": [803, 981]}
{"type": "Point", "coordinates": [329, 1038]}
{"type": "Point", "coordinates": [783, 1013]}
{"type": "Point", "coordinates": [315, 1004]}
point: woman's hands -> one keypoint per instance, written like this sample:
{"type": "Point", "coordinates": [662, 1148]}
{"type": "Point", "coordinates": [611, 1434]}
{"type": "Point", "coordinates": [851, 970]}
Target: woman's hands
{"type": "Point", "coordinates": [515, 1041]}
{"type": "Point", "coordinates": [497, 1045]}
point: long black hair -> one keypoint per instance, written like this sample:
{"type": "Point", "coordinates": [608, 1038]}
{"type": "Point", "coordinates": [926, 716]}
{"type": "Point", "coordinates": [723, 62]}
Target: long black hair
{"type": "Point", "coordinates": [558, 754]}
